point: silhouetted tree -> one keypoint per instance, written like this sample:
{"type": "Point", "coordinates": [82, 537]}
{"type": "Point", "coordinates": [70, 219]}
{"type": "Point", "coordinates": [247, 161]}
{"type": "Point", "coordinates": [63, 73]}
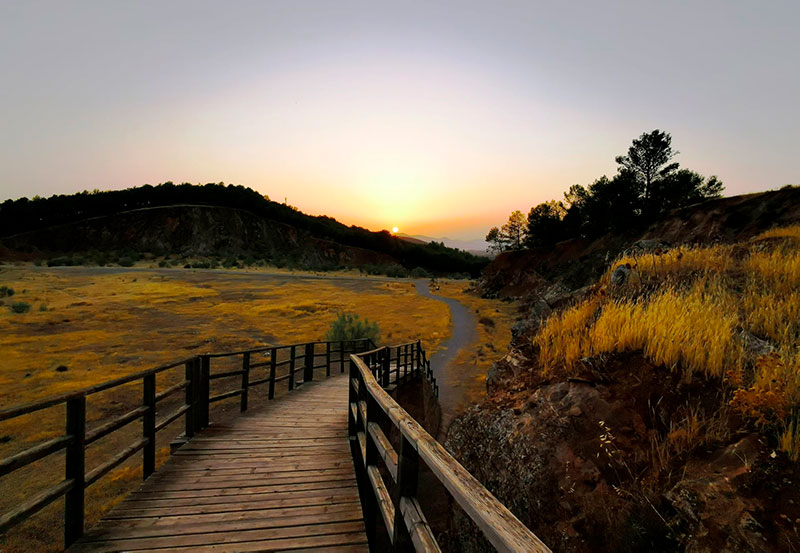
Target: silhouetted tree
{"type": "Point", "coordinates": [511, 236]}
{"type": "Point", "coordinates": [545, 224]}
{"type": "Point", "coordinates": [648, 160]}
{"type": "Point", "coordinates": [684, 187]}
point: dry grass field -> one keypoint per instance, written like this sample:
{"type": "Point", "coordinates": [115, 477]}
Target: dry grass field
{"type": "Point", "coordinates": [87, 326]}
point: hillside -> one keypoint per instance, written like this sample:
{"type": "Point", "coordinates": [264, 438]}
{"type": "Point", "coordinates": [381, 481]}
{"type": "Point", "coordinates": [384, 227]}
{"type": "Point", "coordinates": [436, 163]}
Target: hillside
{"type": "Point", "coordinates": [573, 264]}
{"type": "Point", "coordinates": [211, 220]}
{"type": "Point", "coordinates": [657, 407]}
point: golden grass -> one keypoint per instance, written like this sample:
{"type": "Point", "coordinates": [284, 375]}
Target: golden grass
{"type": "Point", "coordinates": [682, 259]}
{"type": "Point", "coordinates": [672, 328]}
{"type": "Point", "coordinates": [781, 232]}
{"type": "Point", "coordinates": [103, 324]}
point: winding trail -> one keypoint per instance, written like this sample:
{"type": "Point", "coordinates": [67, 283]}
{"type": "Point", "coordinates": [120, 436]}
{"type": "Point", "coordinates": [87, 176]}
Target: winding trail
{"type": "Point", "coordinates": [460, 384]}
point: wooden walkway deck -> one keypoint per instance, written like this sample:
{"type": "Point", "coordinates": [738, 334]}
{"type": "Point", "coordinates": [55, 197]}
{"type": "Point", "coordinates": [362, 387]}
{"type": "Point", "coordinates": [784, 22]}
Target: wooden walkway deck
{"type": "Point", "coordinates": [279, 478]}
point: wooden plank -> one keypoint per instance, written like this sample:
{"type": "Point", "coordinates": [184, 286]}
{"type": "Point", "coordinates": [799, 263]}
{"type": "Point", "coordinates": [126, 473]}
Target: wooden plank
{"type": "Point", "coordinates": [289, 513]}
{"type": "Point", "coordinates": [228, 539]}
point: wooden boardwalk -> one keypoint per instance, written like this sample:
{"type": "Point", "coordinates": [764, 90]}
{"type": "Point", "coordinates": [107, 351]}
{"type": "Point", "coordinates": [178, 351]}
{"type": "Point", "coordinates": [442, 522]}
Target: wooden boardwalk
{"type": "Point", "coordinates": [279, 478]}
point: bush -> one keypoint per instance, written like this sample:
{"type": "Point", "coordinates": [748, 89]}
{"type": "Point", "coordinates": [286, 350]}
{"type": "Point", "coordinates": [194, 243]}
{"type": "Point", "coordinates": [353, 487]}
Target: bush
{"type": "Point", "coordinates": [20, 307]}
{"type": "Point", "coordinates": [6, 292]}
{"type": "Point", "coordinates": [419, 272]}
{"type": "Point", "coordinates": [125, 261]}
{"type": "Point", "coordinates": [64, 261]}
{"type": "Point", "coordinates": [43, 307]}
{"type": "Point", "coordinates": [348, 326]}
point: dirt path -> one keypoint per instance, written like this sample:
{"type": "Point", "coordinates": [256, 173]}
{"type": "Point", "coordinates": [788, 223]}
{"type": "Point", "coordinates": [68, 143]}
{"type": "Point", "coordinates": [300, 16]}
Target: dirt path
{"type": "Point", "coordinates": [460, 384]}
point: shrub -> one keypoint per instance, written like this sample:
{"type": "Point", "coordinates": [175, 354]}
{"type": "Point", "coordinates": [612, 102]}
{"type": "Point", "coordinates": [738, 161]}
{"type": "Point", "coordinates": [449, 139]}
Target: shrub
{"type": "Point", "coordinates": [348, 326]}
{"type": "Point", "coordinates": [6, 292]}
{"type": "Point", "coordinates": [43, 307]}
{"type": "Point", "coordinates": [20, 307]}
{"type": "Point", "coordinates": [419, 272]}
{"type": "Point", "coordinates": [125, 261]}
{"type": "Point", "coordinates": [64, 261]}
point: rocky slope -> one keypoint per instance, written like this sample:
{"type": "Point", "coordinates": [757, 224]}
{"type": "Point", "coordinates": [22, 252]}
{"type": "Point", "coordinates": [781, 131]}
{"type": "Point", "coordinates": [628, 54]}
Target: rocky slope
{"type": "Point", "coordinates": [619, 452]}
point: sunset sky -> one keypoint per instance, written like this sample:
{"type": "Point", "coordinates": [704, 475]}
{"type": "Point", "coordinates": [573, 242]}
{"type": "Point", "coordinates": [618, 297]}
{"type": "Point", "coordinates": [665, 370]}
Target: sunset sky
{"type": "Point", "coordinates": [435, 117]}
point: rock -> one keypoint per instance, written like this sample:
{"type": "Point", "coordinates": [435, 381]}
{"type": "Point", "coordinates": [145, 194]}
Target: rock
{"type": "Point", "coordinates": [621, 274]}
{"type": "Point", "coordinates": [62, 369]}
{"type": "Point", "coordinates": [538, 312]}
{"type": "Point", "coordinates": [755, 346]}
{"type": "Point", "coordinates": [647, 246]}
{"type": "Point", "coordinates": [505, 371]}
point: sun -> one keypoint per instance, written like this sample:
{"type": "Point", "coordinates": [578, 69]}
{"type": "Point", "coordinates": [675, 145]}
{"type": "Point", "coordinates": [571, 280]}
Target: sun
{"type": "Point", "coordinates": [394, 230]}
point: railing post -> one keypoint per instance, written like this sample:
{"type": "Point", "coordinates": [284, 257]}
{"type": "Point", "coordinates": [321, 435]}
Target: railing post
{"type": "Point", "coordinates": [291, 368]}
{"type": "Point", "coordinates": [273, 353]}
{"type": "Point", "coordinates": [418, 356]}
{"type": "Point", "coordinates": [308, 366]}
{"type": "Point", "coordinates": [149, 425]}
{"type": "Point", "coordinates": [385, 360]}
{"type": "Point", "coordinates": [406, 361]}
{"type": "Point", "coordinates": [327, 358]}
{"type": "Point", "coordinates": [189, 417]}
{"type": "Point", "coordinates": [205, 392]}
{"type": "Point", "coordinates": [245, 380]}
{"type": "Point", "coordinates": [399, 362]}
{"type": "Point", "coordinates": [406, 486]}
{"type": "Point", "coordinates": [75, 470]}
{"type": "Point", "coordinates": [341, 355]}
{"type": "Point", "coordinates": [370, 458]}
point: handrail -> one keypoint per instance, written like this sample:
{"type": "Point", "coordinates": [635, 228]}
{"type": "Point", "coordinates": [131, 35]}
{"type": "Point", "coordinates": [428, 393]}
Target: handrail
{"type": "Point", "coordinates": [369, 405]}
{"type": "Point", "coordinates": [196, 383]}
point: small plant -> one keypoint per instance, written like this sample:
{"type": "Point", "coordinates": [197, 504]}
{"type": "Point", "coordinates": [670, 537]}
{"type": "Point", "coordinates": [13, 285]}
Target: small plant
{"type": "Point", "coordinates": [348, 326]}
{"type": "Point", "coordinates": [6, 292]}
{"type": "Point", "coordinates": [43, 307]}
{"type": "Point", "coordinates": [20, 307]}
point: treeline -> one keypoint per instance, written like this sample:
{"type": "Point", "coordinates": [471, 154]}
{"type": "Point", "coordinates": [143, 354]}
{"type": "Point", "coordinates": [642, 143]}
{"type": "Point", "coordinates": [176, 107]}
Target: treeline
{"type": "Point", "coordinates": [647, 184]}
{"type": "Point", "coordinates": [24, 215]}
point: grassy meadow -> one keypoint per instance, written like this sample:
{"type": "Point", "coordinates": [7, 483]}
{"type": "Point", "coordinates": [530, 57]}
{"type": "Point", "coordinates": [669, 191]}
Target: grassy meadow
{"type": "Point", "coordinates": [85, 326]}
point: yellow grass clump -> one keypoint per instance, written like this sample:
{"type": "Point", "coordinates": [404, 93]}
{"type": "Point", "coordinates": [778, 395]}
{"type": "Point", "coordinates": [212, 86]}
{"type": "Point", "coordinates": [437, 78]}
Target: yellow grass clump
{"type": "Point", "coordinates": [673, 328]}
{"type": "Point", "coordinates": [681, 259]}
{"type": "Point", "coordinates": [778, 269]}
{"type": "Point", "coordinates": [781, 232]}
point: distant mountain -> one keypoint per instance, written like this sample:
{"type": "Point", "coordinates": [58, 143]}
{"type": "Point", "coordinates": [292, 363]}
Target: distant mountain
{"type": "Point", "coordinates": [212, 220]}
{"type": "Point", "coordinates": [477, 246]}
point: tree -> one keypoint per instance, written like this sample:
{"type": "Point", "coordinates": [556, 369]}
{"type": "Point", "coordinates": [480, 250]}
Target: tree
{"type": "Point", "coordinates": [648, 160]}
{"type": "Point", "coordinates": [545, 224]}
{"type": "Point", "coordinates": [511, 236]}
{"type": "Point", "coordinates": [685, 187]}
{"type": "Point", "coordinates": [495, 243]}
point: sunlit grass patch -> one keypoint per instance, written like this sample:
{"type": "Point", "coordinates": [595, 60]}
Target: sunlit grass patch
{"type": "Point", "coordinates": [683, 259]}
{"type": "Point", "coordinates": [781, 232]}
{"type": "Point", "coordinates": [779, 269]}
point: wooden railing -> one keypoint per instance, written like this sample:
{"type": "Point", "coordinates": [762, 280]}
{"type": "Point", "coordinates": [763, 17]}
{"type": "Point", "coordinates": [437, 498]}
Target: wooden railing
{"type": "Point", "coordinates": [393, 365]}
{"type": "Point", "coordinates": [372, 415]}
{"type": "Point", "coordinates": [297, 366]}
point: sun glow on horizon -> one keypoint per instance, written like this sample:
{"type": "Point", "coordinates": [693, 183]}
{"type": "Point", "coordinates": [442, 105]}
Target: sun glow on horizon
{"type": "Point", "coordinates": [394, 230]}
